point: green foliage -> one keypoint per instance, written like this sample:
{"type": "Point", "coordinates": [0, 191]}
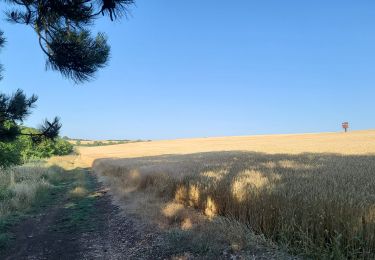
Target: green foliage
{"type": "Point", "coordinates": [10, 154]}
{"type": "Point", "coordinates": [14, 109]}
{"type": "Point", "coordinates": [24, 148]}
{"type": "Point", "coordinates": [63, 147]}
{"type": "Point", "coordinates": [44, 149]}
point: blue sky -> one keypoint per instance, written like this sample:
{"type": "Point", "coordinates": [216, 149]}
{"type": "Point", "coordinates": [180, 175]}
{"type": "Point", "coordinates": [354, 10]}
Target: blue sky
{"type": "Point", "coordinates": [212, 68]}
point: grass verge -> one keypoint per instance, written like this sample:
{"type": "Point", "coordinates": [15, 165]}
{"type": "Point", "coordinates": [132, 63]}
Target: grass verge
{"type": "Point", "coordinates": [26, 191]}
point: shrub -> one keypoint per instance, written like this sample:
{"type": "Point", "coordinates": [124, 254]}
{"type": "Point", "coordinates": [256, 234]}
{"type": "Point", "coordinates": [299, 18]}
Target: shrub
{"type": "Point", "coordinates": [24, 149]}
{"type": "Point", "coordinates": [10, 154]}
{"type": "Point", "coordinates": [44, 149]}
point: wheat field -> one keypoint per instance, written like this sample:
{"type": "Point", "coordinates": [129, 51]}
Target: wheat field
{"type": "Point", "coordinates": [357, 142]}
{"type": "Point", "coordinates": [313, 194]}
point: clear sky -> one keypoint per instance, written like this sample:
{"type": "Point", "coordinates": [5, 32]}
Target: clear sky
{"type": "Point", "coordinates": [212, 68]}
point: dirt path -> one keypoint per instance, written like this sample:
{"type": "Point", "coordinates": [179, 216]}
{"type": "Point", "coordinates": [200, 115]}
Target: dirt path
{"type": "Point", "coordinates": [93, 229]}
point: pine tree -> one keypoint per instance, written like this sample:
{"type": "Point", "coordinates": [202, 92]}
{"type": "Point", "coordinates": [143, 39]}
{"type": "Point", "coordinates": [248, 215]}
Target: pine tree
{"type": "Point", "coordinates": [63, 31]}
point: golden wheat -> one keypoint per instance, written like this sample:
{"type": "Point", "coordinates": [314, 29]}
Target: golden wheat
{"type": "Point", "coordinates": [357, 142]}
{"type": "Point", "coordinates": [314, 194]}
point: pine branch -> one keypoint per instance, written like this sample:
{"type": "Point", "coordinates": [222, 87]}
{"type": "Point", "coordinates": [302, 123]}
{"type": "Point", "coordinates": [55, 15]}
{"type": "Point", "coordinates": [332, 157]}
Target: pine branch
{"type": "Point", "coordinates": [51, 20]}
{"type": "Point", "coordinates": [14, 109]}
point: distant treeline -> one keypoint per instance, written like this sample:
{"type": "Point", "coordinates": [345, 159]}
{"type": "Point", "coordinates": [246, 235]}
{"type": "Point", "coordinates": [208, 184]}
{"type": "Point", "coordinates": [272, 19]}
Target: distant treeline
{"type": "Point", "coordinates": [88, 140]}
{"type": "Point", "coordinates": [108, 142]}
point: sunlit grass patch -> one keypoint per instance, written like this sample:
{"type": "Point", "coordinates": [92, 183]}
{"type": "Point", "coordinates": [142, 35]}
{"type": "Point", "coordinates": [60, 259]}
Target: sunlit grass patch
{"type": "Point", "coordinates": [78, 191]}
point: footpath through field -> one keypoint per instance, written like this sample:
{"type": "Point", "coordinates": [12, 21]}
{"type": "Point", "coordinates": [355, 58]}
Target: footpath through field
{"type": "Point", "coordinates": [90, 227]}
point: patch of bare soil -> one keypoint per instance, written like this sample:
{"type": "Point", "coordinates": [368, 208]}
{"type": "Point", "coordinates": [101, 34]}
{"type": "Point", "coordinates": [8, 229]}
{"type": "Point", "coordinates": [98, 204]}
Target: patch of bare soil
{"type": "Point", "coordinates": [118, 237]}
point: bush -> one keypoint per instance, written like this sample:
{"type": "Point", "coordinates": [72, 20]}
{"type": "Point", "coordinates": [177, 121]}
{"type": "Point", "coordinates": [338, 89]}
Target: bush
{"type": "Point", "coordinates": [24, 149]}
{"type": "Point", "coordinates": [10, 154]}
{"type": "Point", "coordinates": [44, 149]}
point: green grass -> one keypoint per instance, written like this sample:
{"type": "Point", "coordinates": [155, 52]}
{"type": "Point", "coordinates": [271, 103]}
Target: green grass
{"type": "Point", "coordinates": [79, 208]}
{"type": "Point", "coordinates": [26, 191]}
{"type": "Point", "coordinates": [77, 215]}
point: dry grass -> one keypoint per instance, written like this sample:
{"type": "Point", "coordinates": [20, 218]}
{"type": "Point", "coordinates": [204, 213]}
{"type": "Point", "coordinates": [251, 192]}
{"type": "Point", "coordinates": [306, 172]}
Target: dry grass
{"type": "Point", "coordinates": [84, 142]}
{"type": "Point", "coordinates": [20, 187]}
{"type": "Point", "coordinates": [313, 194]}
{"type": "Point", "coordinates": [67, 162]}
